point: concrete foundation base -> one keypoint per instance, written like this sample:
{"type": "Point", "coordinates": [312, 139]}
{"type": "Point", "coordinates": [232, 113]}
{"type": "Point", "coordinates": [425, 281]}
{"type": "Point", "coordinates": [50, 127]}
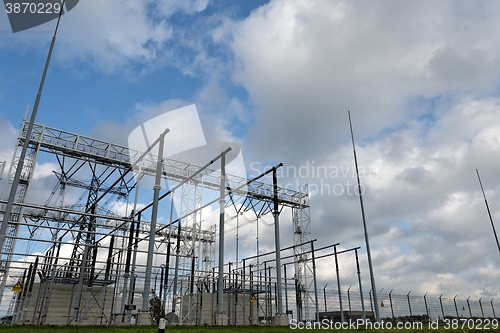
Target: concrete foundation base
{"type": "Point", "coordinates": [84, 323]}
{"type": "Point", "coordinates": [119, 323]}
{"type": "Point", "coordinates": [280, 320]}
{"type": "Point", "coordinates": [144, 319]}
{"type": "Point", "coordinates": [239, 309]}
{"type": "Point", "coordinates": [220, 319]}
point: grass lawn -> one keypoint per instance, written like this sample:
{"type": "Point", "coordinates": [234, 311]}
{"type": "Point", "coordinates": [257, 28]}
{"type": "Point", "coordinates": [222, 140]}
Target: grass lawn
{"type": "Point", "coordinates": [184, 329]}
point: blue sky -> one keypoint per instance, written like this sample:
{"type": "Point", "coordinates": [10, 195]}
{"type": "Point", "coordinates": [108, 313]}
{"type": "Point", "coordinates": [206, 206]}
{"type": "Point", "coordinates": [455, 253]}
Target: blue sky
{"type": "Point", "coordinates": [277, 77]}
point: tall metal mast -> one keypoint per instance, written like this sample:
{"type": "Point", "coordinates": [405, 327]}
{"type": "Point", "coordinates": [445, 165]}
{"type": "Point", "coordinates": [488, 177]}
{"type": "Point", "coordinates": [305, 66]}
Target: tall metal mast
{"type": "Point", "coordinates": [19, 168]}
{"type": "Point", "coordinates": [488, 209]}
{"type": "Point", "coordinates": [372, 278]}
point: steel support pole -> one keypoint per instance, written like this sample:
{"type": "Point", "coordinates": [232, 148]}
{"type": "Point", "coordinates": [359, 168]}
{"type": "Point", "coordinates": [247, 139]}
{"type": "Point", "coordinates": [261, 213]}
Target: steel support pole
{"type": "Point", "coordinates": [276, 213]}
{"type": "Point", "coordinates": [360, 286]}
{"type": "Point", "coordinates": [191, 286]}
{"type": "Point", "coordinates": [251, 294]}
{"type": "Point", "coordinates": [167, 260]}
{"type": "Point", "coordinates": [338, 284]}
{"type": "Point", "coordinates": [106, 277]}
{"type": "Point", "coordinates": [165, 282]}
{"type": "Point", "coordinates": [91, 281]}
{"type": "Point", "coordinates": [131, 290]}
{"type": "Point", "coordinates": [126, 274]}
{"type": "Point", "coordinates": [20, 163]}
{"type": "Point", "coordinates": [286, 291]}
{"type": "Point", "coordinates": [222, 204]}
{"type": "Point", "coordinates": [162, 268]}
{"type": "Point", "coordinates": [19, 296]}
{"type": "Point", "coordinates": [154, 216]}
{"type": "Point", "coordinates": [315, 281]}
{"type": "Point", "coordinates": [266, 299]}
{"type": "Point", "coordinates": [81, 278]}
{"type": "Point", "coordinates": [132, 252]}
{"type": "Point", "coordinates": [51, 284]}
{"type": "Point", "coordinates": [243, 283]}
{"type": "Point", "coordinates": [176, 269]}
{"type": "Point", "coordinates": [19, 316]}
{"type": "Point", "coordinates": [235, 298]}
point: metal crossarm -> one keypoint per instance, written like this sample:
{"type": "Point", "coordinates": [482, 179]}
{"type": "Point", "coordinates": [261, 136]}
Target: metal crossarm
{"type": "Point", "coordinates": [79, 146]}
{"type": "Point", "coordinates": [83, 227]}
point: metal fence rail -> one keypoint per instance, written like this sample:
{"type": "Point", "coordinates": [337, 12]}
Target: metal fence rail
{"type": "Point", "coordinates": [411, 306]}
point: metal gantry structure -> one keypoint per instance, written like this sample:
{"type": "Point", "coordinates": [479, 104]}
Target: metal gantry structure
{"type": "Point", "coordinates": [87, 251]}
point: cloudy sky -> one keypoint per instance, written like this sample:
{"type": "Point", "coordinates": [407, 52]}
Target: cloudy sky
{"type": "Point", "coordinates": [420, 78]}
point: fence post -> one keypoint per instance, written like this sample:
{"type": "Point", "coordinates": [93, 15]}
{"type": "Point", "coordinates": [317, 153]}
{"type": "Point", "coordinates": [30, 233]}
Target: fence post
{"type": "Point", "coordinates": [441, 304]}
{"type": "Point", "coordinates": [286, 291]}
{"type": "Point", "coordinates": [481, 306]}
{"type": "Point", "coordinates": [338, 284]}
{"type": "Point", "coordinates": [426, 307]}
{"type": "Point", "coordinates": [492, 308]}
{"type": "Point", "coordinates": [243, 283]}
{"type": "Point", "coordinates": [349, 302]}
{"type": "Point", "coordinates": [324, 296]}
{"type": "Point", "coordinates": [390, 301]}
{"type": "Point", "coordinates": [468, 305]}
{"type": "Point", "coordinates": [409, 304]}
{"type": "Point", "coordinates": [455, 302]}
{"type": "Point", "coordinates": [360, 286]}
{"type": "Point", "coordinates": [371, 302]}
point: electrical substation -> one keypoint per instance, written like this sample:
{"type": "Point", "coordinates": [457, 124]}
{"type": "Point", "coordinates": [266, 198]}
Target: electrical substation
{"type": "Point", "coordinates": [98, 233]}
{"type": "Point", "coordinates": [85, 248]}
{"type": "Point", "coordinates": [82, 263]}
{"type": "Point", "coordinates": [70, 258]}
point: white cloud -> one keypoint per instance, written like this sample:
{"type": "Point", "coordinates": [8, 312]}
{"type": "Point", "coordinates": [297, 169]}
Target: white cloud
{"type": "Point", "coordinates": [417, 77]}
{"type": "Point", "coordinates": [125, 36]}
{"type": "Point", "coordinates": [121, 34]}
{"type": "Point", "coordinates": [168, 8]}
{"type": "Point", "coordinates": [305, 64]}
{"type": "Point", "coordinates": [420, 79]}
{"type": "Point", "coordinates": [8, 137]}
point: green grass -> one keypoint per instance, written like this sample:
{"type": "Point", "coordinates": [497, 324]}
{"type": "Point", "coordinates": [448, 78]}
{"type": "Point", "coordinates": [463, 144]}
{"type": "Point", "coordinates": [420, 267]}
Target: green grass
{"type": "Point", "coordinates": [185, 329]}
{"type": "Point", "coordinates": [137, 329]}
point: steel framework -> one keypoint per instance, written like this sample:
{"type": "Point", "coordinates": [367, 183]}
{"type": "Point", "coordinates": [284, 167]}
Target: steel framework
{"type": "Point", "coordinates": [78, 236]}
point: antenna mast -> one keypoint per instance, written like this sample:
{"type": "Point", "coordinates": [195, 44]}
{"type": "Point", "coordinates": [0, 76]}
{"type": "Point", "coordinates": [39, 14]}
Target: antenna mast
{"type": "Point", "coordinates": [372, 278]}
{"type": "Point", "coordinates": [488, 209]}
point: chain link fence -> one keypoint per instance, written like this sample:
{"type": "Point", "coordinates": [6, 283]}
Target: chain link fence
{"type": "Point", "coordinates": [410, 306]}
